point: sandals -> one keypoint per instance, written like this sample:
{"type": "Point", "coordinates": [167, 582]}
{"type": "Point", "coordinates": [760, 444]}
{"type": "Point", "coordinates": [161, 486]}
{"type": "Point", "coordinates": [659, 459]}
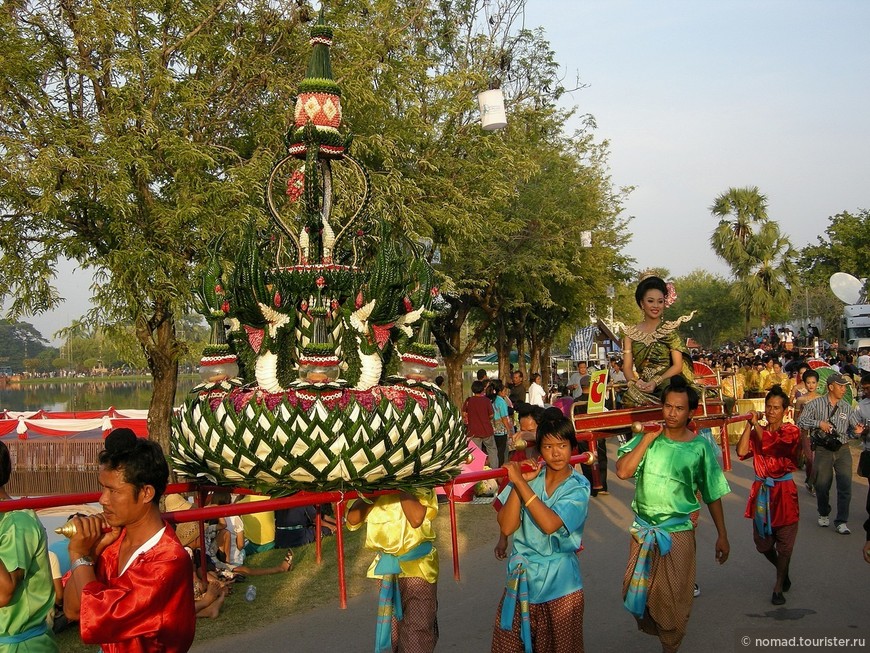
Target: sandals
{"type": "Point", "coordinates": [288, 559]}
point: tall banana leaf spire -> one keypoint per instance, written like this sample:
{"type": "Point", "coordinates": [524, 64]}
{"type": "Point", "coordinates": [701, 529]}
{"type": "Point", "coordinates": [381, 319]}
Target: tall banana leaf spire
{"type": "Point", "coordinates": [319, 101]}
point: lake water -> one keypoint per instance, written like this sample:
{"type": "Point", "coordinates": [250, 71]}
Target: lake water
{"type": "Point", "coordinates": [90, 395]}
{"type": "Point", "coordinates": [97, 395]}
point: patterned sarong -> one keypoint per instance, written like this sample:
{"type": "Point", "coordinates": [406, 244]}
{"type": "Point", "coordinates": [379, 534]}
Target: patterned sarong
{"type": "Point", "coordinates": [389, 601]}
{"type": "Point", "coordinates": [647, 536]}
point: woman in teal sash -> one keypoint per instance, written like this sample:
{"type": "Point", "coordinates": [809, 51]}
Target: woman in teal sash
{"type": "Point", "coordinates": [542, 607]}
{"type": "Point", "coordinates": [653, 350]}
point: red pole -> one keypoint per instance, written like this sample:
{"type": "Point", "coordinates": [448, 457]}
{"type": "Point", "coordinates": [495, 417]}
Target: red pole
{"type": "Point", "coordinates": [203, 564]}
{"type": "Point", "coordinates": [454, 539]}
{"type": "Point", "coordinates": [339, 545]}
{"type": "Point", "coordinates": [317, 543]}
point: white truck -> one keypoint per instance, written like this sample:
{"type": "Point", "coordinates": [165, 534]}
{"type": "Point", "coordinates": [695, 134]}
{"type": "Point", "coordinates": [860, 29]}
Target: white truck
{"type": "Point", "coordinates": [855, 327]}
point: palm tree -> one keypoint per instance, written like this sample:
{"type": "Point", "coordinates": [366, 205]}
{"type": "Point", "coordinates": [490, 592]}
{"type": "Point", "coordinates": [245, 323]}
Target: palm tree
{"type": "Point", "coordinates": [740, 211]}
{"type": "Point", "coordinates": [771, 272]}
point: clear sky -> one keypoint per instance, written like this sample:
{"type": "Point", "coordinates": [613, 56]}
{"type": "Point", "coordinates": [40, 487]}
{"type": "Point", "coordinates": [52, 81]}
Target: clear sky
{"type": "Point", "coordinates": [697, 96]}
{"type": "Point", "coordinates": [694, 97]}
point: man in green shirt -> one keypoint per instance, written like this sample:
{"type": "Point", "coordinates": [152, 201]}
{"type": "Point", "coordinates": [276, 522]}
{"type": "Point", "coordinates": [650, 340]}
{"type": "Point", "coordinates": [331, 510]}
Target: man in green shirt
{"type": "Point", "coordinates": [671, 464]}
{"type": "Point", "coordinates": [26, 587]}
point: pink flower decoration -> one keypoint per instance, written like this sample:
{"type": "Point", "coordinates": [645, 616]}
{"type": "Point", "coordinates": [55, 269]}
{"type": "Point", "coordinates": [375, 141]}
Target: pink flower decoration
{"type": "Point", "coordinates": [408, 305]}
{"type": "Point", "coordinates": [320, 282]}
{"type": "Point", "coordinates": [435, 291]}
{"type": "Point", "coordinates": [277, 299]}
{"type": "Point", "coordinates": [671, 297]}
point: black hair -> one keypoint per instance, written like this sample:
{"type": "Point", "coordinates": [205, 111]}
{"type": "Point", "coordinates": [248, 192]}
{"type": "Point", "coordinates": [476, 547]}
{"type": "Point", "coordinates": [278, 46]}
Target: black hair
{"type": "Point", "coordinates": [477, 387]}
{"type": "Point", "coordinates": [535, 376]}
{"type": "Point", "coordinates": [495, 386]}
{"type": "Point", "coordinates": [140, 461]}
{"type": "Point", "coordinates": [439, 380]}
{"type": "Point", "coordinates": [679, 385]}
{"type": "Point", "coordinates": [5, 464]}
{"type": "Point", "coordinates": [523, 409]}
{"type": "Point", "coordinates": [481, 374]}
{"type": "Point", "coordinates": [650, 283]}
{"type": "Point", "coordinates": [554, 423]}
{"type": "Point", "coordinates": [865, 378]}
{"type": "Point", "coordinates": [777, 391]}
{"type": "Point", "coordinates": [810, 374]}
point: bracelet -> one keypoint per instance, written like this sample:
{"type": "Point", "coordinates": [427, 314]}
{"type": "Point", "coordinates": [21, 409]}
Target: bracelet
{"type": "Point", "coordinates": [84, 561]}
{"type": "Point", "coordinates": [530, 499]}
{"type": "Point", "coordinates": [656, 379]}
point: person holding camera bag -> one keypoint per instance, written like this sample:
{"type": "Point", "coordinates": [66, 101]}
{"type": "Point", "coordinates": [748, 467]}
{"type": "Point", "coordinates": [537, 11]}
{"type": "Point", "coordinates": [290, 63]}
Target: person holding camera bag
{"type": "Point", "coordinates": [829, 420]}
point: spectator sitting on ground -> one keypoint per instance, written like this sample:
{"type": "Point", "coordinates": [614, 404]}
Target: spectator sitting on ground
{"type": "Point", "coordinates": [220, 558]}
{"type": "Point", "coordinates": [297, 526]}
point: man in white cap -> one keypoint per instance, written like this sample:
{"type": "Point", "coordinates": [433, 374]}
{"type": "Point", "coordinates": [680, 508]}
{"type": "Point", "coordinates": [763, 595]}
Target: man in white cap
{"type": "Point", "coordinates": [831, 422]}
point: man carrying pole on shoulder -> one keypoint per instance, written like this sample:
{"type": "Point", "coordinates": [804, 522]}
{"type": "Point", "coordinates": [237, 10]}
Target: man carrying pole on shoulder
{"type": "Point", "coordinates": [670, 465]}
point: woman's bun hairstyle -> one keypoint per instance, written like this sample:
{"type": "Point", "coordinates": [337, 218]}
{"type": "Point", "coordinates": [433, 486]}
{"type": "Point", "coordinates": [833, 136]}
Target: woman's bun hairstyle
{"type": "Point", "coordinates": [649, 283]}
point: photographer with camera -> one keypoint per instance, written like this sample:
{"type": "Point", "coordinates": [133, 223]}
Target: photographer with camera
{"type": "Point", "coordinates": [829, 420]}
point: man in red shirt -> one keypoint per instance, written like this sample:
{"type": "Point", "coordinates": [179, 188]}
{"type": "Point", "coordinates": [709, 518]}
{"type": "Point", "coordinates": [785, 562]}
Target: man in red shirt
{"type": "Point", "coordinates": [773, 499]}
{"type": "Point", "coordinates": [131, 587]}
{"type": "Point", "coordinates": [477, 413]}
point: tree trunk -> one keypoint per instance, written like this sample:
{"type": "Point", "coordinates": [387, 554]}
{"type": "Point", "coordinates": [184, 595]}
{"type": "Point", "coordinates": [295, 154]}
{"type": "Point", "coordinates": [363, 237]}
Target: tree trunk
{"type": "Point", "coordinates": [453, 365]}
{"type": "Point", "coordinates": [534, 356]}
{"type": "Point", "coordinates": [503, 346]}
{"type": "Point", "coordinates": [157, 337]}
{"type": "Point", "coordinates": [546, 370]}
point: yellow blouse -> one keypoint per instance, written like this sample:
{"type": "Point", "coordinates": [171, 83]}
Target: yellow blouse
{"type": "Point", "coordinates": [388, 530]}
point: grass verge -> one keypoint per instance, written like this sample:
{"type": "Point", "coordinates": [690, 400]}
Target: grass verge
{"type": "Point", "coordinates": [310, 586]}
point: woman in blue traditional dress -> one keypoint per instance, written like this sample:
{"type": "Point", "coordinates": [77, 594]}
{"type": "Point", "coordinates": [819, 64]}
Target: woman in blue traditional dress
{"type": "Point", "coordinates": [542, 607]}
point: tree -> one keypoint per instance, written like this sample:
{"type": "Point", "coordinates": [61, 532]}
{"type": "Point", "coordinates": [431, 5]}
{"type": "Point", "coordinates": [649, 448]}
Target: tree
{"type": "Point", "coordinates": [843, 249]}
{"type": "Point", "coordinates": [132, 134]}
{"type": "Point", "coordinates": [811, 303]}
{"type": "Point", "coordinates": [715, 306]}
{"type": "Point", "coordinates": [759, 255]}
{"type": "Point", "coordinates": [19, 341]}
{"type": "Point", "coordinates": [740, 211]}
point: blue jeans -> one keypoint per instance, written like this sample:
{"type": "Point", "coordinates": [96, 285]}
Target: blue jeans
{"type": "Point", "coordinates": [826, 465]}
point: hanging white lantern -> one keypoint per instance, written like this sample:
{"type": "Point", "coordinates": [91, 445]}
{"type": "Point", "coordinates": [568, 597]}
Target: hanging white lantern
{"type": "Point", "coordinates": [492, 113]}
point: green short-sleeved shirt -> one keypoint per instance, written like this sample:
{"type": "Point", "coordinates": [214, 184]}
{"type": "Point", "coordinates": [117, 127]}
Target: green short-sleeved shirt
{"type": "Point", "coordinates": [23, 546]}
{"type": "Point", "coordinates": [669, 475]}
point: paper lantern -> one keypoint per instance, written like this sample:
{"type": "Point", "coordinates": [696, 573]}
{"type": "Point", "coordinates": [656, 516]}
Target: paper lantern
{"type": "Point", "coordinates": [492, 114]}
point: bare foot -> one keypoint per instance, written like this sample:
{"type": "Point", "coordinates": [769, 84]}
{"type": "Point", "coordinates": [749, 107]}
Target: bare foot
{"type": "Point", "coordinates": [213, 609]}
{"type": "Point", "coordinates": [287, 562]}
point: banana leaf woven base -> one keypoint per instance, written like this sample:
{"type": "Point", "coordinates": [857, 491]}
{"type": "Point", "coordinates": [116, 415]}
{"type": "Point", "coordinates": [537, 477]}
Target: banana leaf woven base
{"type": "Point", "coordinates": [381, 438]}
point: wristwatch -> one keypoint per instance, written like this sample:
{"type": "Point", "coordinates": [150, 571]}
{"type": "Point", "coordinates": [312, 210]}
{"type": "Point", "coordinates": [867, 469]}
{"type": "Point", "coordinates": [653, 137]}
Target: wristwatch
{"type": "Point", "coordinates": [79, 562]}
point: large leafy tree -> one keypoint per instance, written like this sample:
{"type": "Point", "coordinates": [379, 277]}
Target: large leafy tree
{"type": "Point", "coordinates": [18, 342]}
{"type": "Point", "coordinates": [843, 248]}
{"type": "Point", "coordinates": [716, 309]}
{"type": "Point", "coordinates": [132, 133]}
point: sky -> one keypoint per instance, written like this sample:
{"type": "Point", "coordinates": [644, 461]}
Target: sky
{"type": "Point", "coordinates": [698, 96]}
{"type": "Point", "coordinates": [695, 97]}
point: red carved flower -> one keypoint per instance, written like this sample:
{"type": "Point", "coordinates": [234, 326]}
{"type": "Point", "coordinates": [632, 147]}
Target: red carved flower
{"type": "Point", "coordinates": [295, 185]}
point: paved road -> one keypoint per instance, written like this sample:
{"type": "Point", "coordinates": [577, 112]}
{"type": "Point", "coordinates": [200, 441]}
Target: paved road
{"type": "Point", "coordinates": [829, 595]}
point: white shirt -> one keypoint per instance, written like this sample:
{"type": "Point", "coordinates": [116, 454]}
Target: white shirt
{"type": "Point", "coordinates": [536, 394]}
